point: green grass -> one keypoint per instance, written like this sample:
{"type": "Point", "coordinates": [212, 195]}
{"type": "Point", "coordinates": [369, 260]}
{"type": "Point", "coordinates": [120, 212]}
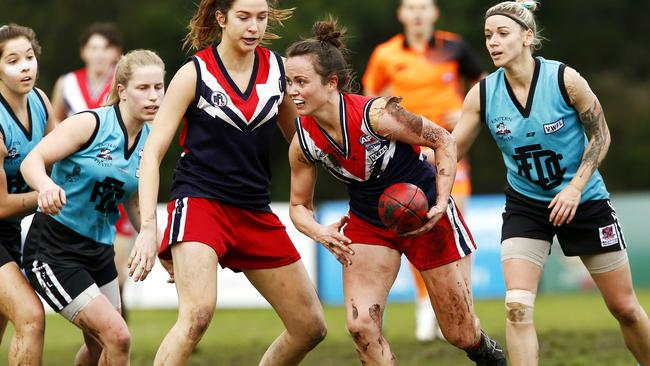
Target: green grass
{"type": "Point", "coordinates": [573, 330]}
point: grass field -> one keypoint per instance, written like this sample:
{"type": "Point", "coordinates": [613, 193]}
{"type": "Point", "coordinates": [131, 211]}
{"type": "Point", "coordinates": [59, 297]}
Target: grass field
{"type": "Point", "coordinates": [573, 330]}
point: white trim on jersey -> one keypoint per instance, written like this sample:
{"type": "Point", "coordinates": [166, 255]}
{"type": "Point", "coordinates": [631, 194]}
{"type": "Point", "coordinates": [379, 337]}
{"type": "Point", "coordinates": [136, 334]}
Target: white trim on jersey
{"type": "Point", "coordinates": [264, 93]}
{"type": "Point", "coordinates": [72, 95]}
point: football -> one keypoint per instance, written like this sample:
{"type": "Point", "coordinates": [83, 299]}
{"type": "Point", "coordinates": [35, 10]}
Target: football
{"type": "Point", "coordinates": [403, 207]}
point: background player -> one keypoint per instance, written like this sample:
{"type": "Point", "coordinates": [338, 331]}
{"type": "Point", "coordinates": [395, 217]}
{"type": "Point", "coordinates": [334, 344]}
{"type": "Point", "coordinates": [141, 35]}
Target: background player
{"type": "Point", "coordinates": [68, 254]}
{"type": "Point", "coordinates": [347, 133]}
{"type": "Point", "coordinates": [25, 117]}
{"type": "Point", "coordinates": [231, 96]}
{"type": "Point", "coordinates": [428, 68]}
{"type": "Point", "coordinates": [552, 133]}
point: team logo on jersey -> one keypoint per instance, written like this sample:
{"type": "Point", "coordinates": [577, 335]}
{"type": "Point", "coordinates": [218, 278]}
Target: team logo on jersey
{"type": "Point", "coordinates": [502, 129]}
{"type": "Point", "coordinates": [105, 154]}
{"type": "Point", "coordinates": [367, 139]}
{"type": "Point", "coordinates": [539, 166]}
{"type": "Point", "coordinates": [608, 235]}
{"type": "Point", "coordinates": [550, 128]}
{"type": "Point", "coordinates": [219, 99]}
{"type": "Point", "coordinates": [74, 175]}
{"type": "Point", "coordinates": [13, 154]}
{"type": "Point", "coordinates": [107, 194]}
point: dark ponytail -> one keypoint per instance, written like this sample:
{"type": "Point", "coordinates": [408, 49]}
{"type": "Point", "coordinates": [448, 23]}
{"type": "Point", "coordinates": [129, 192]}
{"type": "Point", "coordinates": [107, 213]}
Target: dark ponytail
{"type": "Point", "coordinates": [329, 53]}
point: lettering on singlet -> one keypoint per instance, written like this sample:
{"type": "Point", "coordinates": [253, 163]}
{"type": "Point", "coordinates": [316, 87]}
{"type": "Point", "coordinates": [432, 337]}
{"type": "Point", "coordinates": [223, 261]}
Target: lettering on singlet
{"type": "Point", "coordinates": [106, 195]}
{"type": "Point", "coordinates": [545, 162]}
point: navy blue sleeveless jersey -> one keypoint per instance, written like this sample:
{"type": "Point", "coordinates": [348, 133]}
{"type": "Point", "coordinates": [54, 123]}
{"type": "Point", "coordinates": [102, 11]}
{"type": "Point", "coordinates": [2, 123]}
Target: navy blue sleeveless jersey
{"type": "Point", "coordinates": [366, 162]}
{"type": "Point", "coordinates": [100, 176]}
{"type": "Point", "coordinates": [543, 142]}
{"type": "Point", "coordinates": [19, 142]}
{"type": "Point", "coordinates": [227, 133]}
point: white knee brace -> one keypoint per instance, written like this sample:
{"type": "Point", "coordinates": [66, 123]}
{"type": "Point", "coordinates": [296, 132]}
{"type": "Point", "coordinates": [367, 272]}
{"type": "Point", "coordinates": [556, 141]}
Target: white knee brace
{"type": "Point", "coordinates": [519, 306]}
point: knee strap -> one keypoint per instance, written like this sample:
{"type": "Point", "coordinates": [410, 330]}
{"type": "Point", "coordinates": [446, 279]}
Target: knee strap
{"type": "Point", "coordinates": [519, 306]}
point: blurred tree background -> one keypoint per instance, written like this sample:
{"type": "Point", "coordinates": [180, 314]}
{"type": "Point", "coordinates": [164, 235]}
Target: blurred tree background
{"type": "Point", "coordinates": [607, 41]}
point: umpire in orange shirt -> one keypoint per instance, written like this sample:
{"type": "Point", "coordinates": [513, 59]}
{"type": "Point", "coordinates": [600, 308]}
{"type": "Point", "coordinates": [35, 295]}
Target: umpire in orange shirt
{"type": "Point", "coordinates": [430, 69]}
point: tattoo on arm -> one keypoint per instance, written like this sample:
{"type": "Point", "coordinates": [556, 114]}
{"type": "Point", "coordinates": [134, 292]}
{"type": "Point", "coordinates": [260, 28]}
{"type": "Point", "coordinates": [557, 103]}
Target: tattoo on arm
{"type": "Point", "coordinates": [412, 121]}
{"type": "Point", "coordinates": [595, 127]}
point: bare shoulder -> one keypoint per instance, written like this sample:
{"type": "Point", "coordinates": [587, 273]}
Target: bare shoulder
{"type": "Point", "coordinates": [380, 105]}
{"type": "Point", "coordinates": [296, 155]}
{"type": "Point", "coordinates": [578, 89]}
{"type": "Point", "coordinates": [473, 98]}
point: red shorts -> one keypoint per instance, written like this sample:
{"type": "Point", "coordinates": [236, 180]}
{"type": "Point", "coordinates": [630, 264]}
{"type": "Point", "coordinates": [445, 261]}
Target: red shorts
{"type": "Point", "coordinates": [242, 238]}
{"type": "Point", "coordinates": [123, 224]}
{"type": "Point", "coordinates": [448, 241]}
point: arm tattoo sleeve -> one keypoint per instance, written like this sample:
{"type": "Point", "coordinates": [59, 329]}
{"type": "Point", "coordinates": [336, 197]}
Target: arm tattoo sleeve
{"type": "Point", "coordinates": [595, 127]}
{"type": "Point", "coordinates": [415, 123]}
{"type": "Point", "coordinates": [412, 121]}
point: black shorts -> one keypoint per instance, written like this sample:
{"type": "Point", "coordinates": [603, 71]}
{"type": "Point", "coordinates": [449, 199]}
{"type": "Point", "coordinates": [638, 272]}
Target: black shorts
{"type": "Point", "coordinates": [60, 263]}
{"type": "Point", "coordinates": [593, 230]}
{"type": "Point", "coordinates": [9, 242]}
{"type": "Point", "coordinates": [60, 285]}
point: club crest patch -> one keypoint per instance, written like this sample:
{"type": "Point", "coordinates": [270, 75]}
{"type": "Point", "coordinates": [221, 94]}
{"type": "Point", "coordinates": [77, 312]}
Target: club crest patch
{"type": "Point", "coordinates": [550, 128]}
{"type": "Point", "coordinates": [608, 235]}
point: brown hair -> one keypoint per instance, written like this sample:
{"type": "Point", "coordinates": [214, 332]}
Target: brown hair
{"type": "Point", "coordinates": [125, 68]}
{"type": "Point", "coordinates": [328, 52]}
{"type": "Point", "coordinates": [204, 29]}
{"type": "Point", "coordinates": [13, 31]}
{"type": "Point", "coordinates": [110, 31]}
{"type": "Point", "coordinates": [521, 11]}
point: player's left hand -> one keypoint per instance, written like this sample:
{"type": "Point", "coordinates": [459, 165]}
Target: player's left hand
{"type": "Point", "coordinates": [564, 205]}
{"type": "Point", "coordinates": [434, 214]}
{"type": "Point", "coordinates": [143, 254]}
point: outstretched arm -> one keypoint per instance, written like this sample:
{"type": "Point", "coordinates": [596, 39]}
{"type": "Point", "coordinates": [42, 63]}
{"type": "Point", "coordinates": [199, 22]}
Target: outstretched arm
{"type": "Point", "coordinates": [564, 204]}
{"type": "Point", "coordinates": [303, 181]}
{"type": "Point", "coordinates": [179, 95]}
{"type": "Point", "coordinates": [388, 119]}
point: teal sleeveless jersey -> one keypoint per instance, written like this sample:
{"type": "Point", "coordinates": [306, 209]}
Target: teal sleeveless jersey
{"type": "Point", "coordinates": [100, 176]}
{"type": "Point", "coordinates": [19, 140]}
{"type": "Point", "coordinates": [542, 143]}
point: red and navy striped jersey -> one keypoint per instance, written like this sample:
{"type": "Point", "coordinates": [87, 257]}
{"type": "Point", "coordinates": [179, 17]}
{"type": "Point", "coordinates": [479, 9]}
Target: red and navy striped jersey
{"type": "Point", "coordinates": [366, 162]}
{"type": "Point", "coordinates": [226, 137]}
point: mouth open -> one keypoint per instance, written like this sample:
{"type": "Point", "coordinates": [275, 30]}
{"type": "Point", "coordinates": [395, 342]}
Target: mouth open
{"type": "Point", "coordinates": [298, 102]}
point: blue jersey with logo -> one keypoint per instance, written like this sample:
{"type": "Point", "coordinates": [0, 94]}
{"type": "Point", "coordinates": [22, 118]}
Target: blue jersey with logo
{"type": "Point", "coordinates": [98, 177]}
{"type": "Point", "coordinates": [543, 142]}
{"type": "Point", "coordinates": [20, 140]}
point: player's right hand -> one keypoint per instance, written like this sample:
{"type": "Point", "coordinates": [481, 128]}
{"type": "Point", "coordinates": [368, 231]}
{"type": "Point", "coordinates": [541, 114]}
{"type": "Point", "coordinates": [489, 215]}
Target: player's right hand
{"type": "Point", "coordinates": [143, 254]}
{"type": "Point", "coordinates": [331, 238]}
{"type": "Point", "coordinates": [51, 199]}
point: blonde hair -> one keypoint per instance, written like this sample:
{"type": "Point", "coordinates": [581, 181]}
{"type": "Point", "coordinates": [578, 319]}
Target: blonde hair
{"type": "Point", "coordinates": [521, 11]}
{"type": "Point", "coordinates": [204, 29]}
{"type": "Point", "coordinates": [125, 68]}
